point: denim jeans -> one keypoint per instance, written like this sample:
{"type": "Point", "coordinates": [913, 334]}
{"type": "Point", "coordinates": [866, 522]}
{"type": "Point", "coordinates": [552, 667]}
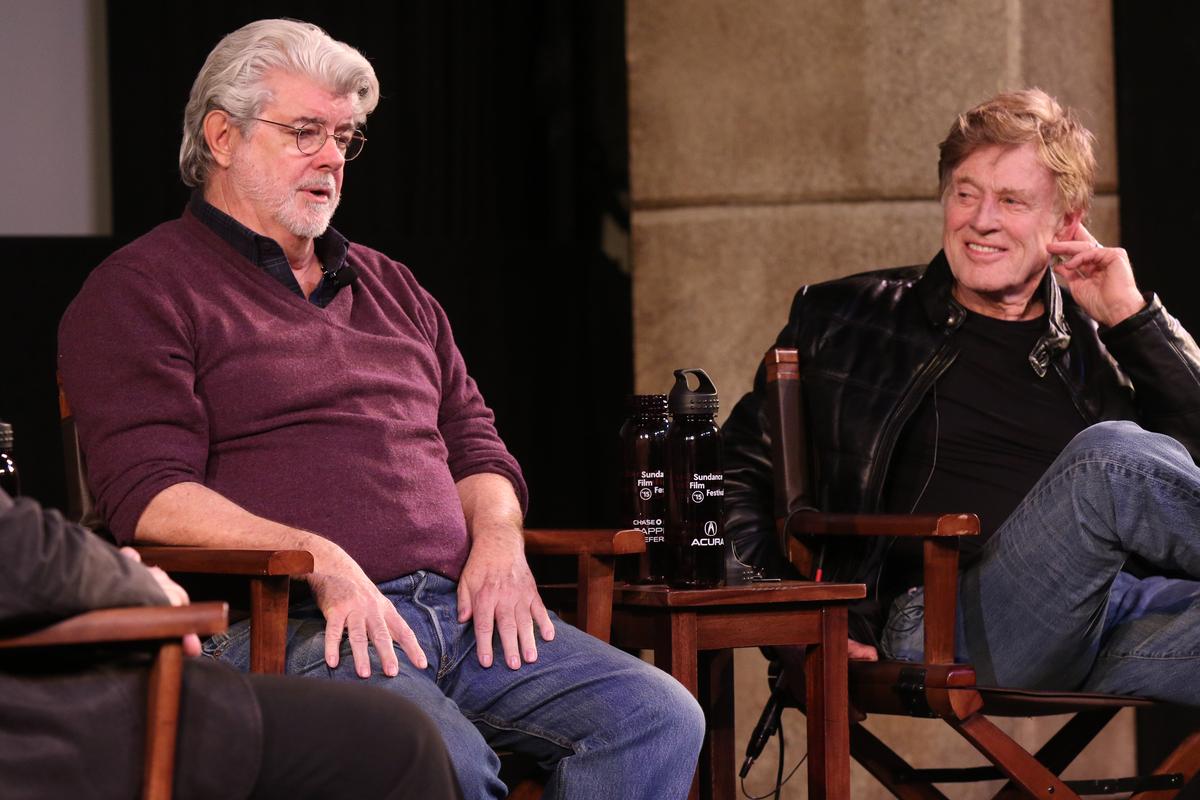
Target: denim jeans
{"type": "Point", "coordinates": [1046, 606]}
{"type": "Point", "coordinates": [606, 724]}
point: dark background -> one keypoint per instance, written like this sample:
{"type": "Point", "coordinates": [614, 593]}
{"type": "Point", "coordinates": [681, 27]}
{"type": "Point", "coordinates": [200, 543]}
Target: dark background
{"type": "Point", "coordinates": [498, 147]}
{"type": "Point", "coordinates": [496, 150]}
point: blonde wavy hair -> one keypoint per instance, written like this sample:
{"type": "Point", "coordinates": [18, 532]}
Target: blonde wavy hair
{"type": "Point", "coordinates": [1028, 116]}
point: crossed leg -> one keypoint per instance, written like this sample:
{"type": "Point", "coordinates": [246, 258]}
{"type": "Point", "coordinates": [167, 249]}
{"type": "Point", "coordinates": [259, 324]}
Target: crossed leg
{"type": "Point", "coordinates": [1036, 605]}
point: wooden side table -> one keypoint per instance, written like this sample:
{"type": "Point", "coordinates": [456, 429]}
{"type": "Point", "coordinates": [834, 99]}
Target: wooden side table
{"type": "Point", "coordinates": [693, 632]}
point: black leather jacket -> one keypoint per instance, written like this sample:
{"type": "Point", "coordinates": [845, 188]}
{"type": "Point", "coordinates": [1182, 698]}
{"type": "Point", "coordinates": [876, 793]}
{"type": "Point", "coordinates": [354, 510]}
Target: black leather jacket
{"type": "Point", "coordinates": [871, 347]}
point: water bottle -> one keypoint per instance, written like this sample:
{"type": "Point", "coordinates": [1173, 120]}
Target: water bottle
{"type": "Point", "coordinates": [696, 483]}
{"type": "Point", "coordinates": [10, 480]}
{"type": "Point", "coordinates": [644, 485]}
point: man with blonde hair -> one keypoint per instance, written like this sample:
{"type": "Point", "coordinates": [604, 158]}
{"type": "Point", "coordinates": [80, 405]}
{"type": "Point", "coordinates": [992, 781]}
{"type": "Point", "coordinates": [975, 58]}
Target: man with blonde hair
{"type": "Point", "coordinates": [1020, 375]}
{"type": "Point", "coordinates": [246, 377]}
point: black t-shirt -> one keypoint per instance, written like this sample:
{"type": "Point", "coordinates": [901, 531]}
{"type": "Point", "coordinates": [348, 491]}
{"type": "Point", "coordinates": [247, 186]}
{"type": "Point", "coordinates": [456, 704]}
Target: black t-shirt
{"type": "Point", "coordinates": [981, 438]}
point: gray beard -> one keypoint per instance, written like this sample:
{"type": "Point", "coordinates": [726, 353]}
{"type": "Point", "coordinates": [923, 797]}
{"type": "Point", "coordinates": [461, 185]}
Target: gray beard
{"type": "Point", "coordinates": [281, 205]}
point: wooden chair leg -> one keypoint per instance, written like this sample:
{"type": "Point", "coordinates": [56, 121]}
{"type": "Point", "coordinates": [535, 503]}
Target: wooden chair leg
{"type": "Point", "coordinates": [1184, 759]}
{"type": "Point", "coordinates": [1009, 757]}
{"type": "Point", "coordinates": [827, 708]}
{"type": "Point", "coordinates": [1071, 739]}
{"type": "Point", "coordinates": [162, 722]}
{"type": "Point", "coordinates": [887, 767]}
{"type": "Point", "coordinates": [1065, 745]}
{"type": "Point", "coordinates": [268, 626]}
{"type": "Point", "coordinates": [594, 595]}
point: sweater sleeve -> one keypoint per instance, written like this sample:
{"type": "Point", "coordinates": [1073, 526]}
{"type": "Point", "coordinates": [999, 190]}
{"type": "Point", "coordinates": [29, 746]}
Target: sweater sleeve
{"type": "Point", "coordinates": [467, 425]}
{"type": "Point", "coordinates": [126, 357]}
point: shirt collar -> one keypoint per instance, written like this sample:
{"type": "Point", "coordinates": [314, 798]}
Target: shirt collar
{"type": "Point", "coordinates": [331, 249]}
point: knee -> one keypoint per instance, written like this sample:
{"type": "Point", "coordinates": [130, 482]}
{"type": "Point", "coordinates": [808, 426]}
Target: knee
{"type": "Point", "coordinates": [1115, 436]}
{"type": "Point", "coordinates": [1124, 441]}
{"type": "Point", "coordinates": [687, 718]}
{"type": "Point", "coordinates": [670, 713]}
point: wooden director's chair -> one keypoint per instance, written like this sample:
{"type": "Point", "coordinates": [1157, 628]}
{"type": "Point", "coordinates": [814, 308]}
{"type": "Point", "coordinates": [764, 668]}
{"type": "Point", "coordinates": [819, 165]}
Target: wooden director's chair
{"type": "Point", "coordinates": [939, 687]}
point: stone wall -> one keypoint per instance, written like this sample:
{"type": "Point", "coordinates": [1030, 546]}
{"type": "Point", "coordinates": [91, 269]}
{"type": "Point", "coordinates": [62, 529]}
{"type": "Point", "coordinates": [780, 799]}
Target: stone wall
{"type": "Point", "coordinates": [780, 142]}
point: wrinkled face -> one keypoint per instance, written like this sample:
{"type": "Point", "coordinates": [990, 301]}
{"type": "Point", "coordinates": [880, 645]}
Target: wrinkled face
{"type": "Point", "coordinates": [1000, 211]}
{"type": "Point", "coordinates": [286, 190]}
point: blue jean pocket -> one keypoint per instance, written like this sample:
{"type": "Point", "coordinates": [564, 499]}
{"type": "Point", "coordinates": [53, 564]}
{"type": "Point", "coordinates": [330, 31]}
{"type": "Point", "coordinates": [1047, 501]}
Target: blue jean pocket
{"type": "Point", "coordinates": [232, 646]}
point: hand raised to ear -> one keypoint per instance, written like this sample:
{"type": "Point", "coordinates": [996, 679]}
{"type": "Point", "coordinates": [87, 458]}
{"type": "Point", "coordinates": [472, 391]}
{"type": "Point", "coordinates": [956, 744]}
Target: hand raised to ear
{"type": "Point", "coordinates": [1099, 278]}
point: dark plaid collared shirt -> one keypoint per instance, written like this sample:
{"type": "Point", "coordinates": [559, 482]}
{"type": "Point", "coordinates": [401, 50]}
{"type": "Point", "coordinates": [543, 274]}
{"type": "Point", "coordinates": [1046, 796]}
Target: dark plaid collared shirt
{"type": "Point", "coordinates": [265, 253]}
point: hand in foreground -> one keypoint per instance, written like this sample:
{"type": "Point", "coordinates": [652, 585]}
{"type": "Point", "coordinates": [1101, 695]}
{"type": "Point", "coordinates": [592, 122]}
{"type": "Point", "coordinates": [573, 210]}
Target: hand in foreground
{"type": "Point", "coordinates": [497, 590]}
{"type": "Point", "coordinates": [1100, 278]}
{"type": "Point", "coordinates": [861, 652]}
{"type": "Point", "coordinates": [175, 593]}
{"type": "Point", "coordinates": [353, 604]}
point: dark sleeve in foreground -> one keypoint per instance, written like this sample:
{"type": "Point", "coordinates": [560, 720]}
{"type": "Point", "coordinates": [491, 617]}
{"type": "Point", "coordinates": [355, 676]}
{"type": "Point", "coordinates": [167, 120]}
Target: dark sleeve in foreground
{"type": "Point", "coordinates": [51, 569]}
{"type": "Point", "coordinates": [77, 725]}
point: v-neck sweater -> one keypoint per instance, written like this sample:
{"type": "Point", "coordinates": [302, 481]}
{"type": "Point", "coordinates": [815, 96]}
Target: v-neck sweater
{"type": "Point", "coordinates": [185, 362]}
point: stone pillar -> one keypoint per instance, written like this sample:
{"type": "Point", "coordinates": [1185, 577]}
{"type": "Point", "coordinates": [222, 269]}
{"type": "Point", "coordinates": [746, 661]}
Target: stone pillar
{"type": "Point", "coordinates": [775, 143]}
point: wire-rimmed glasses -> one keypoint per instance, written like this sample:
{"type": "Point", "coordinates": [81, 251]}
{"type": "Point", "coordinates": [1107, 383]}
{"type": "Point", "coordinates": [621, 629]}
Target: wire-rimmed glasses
{"type": "Point", "coordinates": [311, 137]}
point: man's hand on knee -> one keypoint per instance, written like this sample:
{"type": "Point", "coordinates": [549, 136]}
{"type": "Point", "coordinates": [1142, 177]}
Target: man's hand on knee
{"type": "Point", "coordinates": [353, 605]}
{"type": "Point", "coordinates": [497, 590]}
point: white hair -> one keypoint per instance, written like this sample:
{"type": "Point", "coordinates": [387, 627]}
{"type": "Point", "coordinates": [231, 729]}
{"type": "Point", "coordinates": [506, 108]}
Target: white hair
{"type": "Point", "coordinates": [232, 80]}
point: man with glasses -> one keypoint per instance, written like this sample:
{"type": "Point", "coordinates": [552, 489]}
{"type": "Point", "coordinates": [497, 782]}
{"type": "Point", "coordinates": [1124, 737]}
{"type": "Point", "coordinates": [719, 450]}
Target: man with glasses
{"type": "Point", "coordinates": [246, 377]}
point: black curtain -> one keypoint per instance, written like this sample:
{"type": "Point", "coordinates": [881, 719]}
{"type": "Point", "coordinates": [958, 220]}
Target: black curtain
{"type": "Point", "coordinates": [1159, 167]}
{"type": "Point", "coordinates": [1157, 153]}
{"type": "Point", "coordinates": [498, 149]}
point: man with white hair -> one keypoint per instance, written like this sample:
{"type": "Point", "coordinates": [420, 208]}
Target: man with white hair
{"type": "Point", "coordinates": [246, 377]}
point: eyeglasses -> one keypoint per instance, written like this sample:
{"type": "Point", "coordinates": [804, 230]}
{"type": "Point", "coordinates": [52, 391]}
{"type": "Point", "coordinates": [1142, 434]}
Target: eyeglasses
{"type": "Point", "coordinates": [311, 137]}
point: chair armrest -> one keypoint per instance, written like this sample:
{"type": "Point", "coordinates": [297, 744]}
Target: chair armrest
{"type": "Point", "coordinates": [269, 574]}
{"type": "Point", "coordinates": [137, 624]}
{"type": "Point", "coordinates": [605, 542]}
{"type": "Point", "coordinates": [940, 533]}
{"type": "Point", "coordinates": [817, 523]}
{"type": "Point", "coordinates": [595, 552]}
{"type": "Point", "coordinates": [217, 561]}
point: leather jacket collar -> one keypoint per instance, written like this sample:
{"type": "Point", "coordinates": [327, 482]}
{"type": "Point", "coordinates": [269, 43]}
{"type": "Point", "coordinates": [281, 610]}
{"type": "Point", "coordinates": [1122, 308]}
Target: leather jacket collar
{"type": "Point", "coordinates": [934, 290]}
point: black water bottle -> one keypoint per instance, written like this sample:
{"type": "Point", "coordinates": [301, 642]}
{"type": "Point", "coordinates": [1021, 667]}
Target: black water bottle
{"type": "Point", "coordinates": [10, 480]}
{"type": "Point", "coordinates": [696, 483]}
{"type": "Point", "coordinates": [644, 485]}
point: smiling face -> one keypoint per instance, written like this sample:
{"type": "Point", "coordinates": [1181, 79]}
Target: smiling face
{"type": "Point", "coordinates": [1000, 210]}
{"type": "Point", "coordinates": [271, 186]}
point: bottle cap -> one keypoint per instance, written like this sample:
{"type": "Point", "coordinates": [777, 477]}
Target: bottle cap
{"type": "Point", "coordinates": [701, 400]}
{"type": "Point", "coordinates": [646, 404]}
{"type": "Point", "coordinates": [6, 437]}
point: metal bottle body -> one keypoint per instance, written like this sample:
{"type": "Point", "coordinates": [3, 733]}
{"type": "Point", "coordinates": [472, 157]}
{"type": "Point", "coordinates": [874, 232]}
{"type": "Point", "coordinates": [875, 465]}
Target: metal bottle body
{"type": "Point", "coordinates": [644, 486]}
{"type": "Point", "coordinates": [696, 501]}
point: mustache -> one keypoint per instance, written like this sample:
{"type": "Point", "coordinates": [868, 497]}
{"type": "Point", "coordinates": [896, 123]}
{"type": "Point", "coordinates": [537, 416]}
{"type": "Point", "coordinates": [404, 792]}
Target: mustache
{"type": "Point", "coordinates": [325, 182]}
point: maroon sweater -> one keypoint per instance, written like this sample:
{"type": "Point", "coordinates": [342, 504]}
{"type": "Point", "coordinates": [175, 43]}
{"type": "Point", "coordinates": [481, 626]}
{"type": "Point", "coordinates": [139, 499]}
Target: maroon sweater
{"type": "Point", "coordinates": [185, 362]}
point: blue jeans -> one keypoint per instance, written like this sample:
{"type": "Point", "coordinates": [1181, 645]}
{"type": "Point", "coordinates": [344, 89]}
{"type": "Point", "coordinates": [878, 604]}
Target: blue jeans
{"type": "Point", "coordinates": [606, 724]}
{"type": "Point", "coordinates": [1046, 605]}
